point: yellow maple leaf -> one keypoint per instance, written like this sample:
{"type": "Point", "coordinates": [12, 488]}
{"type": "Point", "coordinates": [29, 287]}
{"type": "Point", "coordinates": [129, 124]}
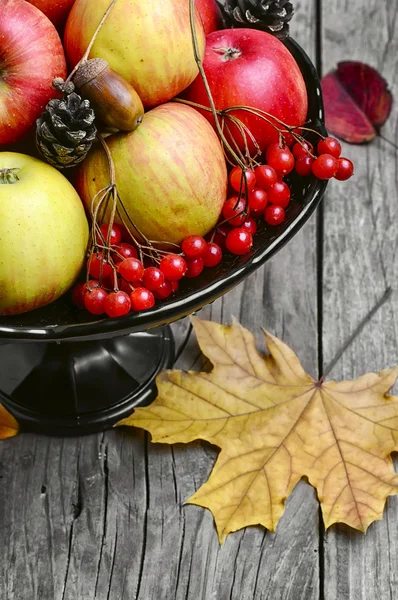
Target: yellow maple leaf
{"type": "Point", "coordinates": [8, 425]}
{"type": "Point", "coordinates": [274, 425]}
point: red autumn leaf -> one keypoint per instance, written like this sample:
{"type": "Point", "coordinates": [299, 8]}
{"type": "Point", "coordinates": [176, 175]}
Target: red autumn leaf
{"type": "Point", "coordinates": [357, 101]}
{"type": "Point", "coordinates": [343, 117]}
{"type": "Point", "coordinates": [368, 89]}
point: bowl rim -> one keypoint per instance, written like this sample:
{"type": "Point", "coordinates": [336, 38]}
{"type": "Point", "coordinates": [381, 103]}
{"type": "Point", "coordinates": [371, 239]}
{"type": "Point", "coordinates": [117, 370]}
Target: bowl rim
{"type": "Point", "coordinates": [181, 307]}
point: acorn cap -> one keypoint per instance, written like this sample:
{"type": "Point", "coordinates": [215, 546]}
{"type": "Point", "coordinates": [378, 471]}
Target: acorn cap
{"type": "Point", "coordinates": [88, 70]}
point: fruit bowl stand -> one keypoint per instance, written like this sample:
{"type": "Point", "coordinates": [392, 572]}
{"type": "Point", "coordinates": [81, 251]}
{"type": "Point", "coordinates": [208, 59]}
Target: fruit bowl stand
{"type": "Point", "coordinates": [63, 372]}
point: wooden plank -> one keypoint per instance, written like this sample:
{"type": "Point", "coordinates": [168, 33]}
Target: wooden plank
{"type": "Point", "coordinates": [102, 517]}
{"type": "Point", "coordinates": [360, 261]}
{"type": "Point", "coordinates": [180, 542]}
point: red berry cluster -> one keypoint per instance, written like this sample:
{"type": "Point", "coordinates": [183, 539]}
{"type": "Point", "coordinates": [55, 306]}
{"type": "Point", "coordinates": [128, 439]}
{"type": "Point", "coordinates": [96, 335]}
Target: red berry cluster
{"type": "Point", "coordinates": [327, 164]}
{"type": "Point", "coordinates": [261, 192]}
{"type": "Point", "coordinates": [119, 281]}
{"type": "Point", "coordinates": [125, 284]}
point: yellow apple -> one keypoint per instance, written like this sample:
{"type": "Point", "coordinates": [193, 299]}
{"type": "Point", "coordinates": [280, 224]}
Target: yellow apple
{"type": "Point", "coordinates": [148, 42]}
{"type": "Point", "coordinates": [43, 233]}
{"type": "Point", "coordinates": [171, 173]}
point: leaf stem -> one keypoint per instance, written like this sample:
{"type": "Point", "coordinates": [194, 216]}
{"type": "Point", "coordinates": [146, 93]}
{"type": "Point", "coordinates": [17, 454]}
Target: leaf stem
{"type": "Point", "coordinates": [393, 144]}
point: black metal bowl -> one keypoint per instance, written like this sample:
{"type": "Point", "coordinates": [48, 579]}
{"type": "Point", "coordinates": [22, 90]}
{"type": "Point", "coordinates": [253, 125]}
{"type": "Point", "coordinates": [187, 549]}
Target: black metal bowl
{"type": "Point", "coordinates": [81, 384]}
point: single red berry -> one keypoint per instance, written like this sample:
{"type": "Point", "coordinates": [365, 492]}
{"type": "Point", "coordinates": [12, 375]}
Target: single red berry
{"type": "Point", "coordinates": [117, 304]}
{"type": "Point", "coordinates": [173, 266]}
{"type": "Point", "coordinates": [127, 287]}
{"type": "Point", "coordinates": [279, 194]}
{"type": "Point", "coordinates": [345, 169]}
{"type": "Point", "coordinates": [288, 138]}
{"type": "Point", "coordinates": [94, 300]}
{"type": "Point", "coordinates": [272, 148]}
{"type": "Point", "coordinates": [126, 237]}
{"type": "Point", "coordinates": [91, 284]}
{"type": "Point", "coordinates": [301, 150]}
{"type": "Point", "coordinates": [153, 278]}
{"type": "Point", "coordinates": [329, 146]}
{"type": "Point", "coordinates": [239, 180]}
{"type": "Point", "coordinates": [303, 165]}
{"type": "Point", "coordinates": [281, 159]}
{"type": "Point", "coordinates": [239, 241]}
{"type": "Point", "coordinates": [108, 282]}
{"type": "Point", "coordinates": [165, 290]}
{"type": "Point", "coordinates": [220, 234]}
{"type": "Point", "coordinates": [97, 266]}
{"type": "Point", "coordinates": [265, 176]}
{"type": "Point", "coordinates": [258, 200]}
{"type": "Point", "coordinates": [78, 293]}
{"type": "Point", "coordinates": [213, 255]}
{"type": "Point", "coordinates": [142, 299]}
{"type": "Point", "coordinates": [325, 166]}
{"type": "Point", "coordinates": [116, 234]}
{"type": "Point", "coordinates": [122, 251]}
{"type": "Point", "coordinates": [274, 215]}
{"type": "Point", "coordinates": [194, 267]}
{"type": "Point", "coordinates": [131, 269]}
{"type": "Point", "coordinates": [234, 211]}
{"type": "Point", "coordinates": [193, 246]}
{"type": "Point", "coordinates": [249, 225]}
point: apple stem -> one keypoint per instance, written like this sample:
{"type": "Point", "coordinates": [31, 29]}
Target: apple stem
{"type": "Point", "coordinates": [8, 176]}
{"type": "Point", "coordinates": [96, 32]}
{"type": "Point", "coordinates": [228, 53]}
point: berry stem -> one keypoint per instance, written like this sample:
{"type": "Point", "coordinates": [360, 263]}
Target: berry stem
{"type": "Point", "coordinates": [207, 87]}
{"type": "Point", "coordinates": [267, 117]}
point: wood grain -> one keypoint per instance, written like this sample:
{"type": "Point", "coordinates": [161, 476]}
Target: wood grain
{"type": "Point", "coordinates": [360, 262]}
{"type": "Point", "coordinates": [102, 517]}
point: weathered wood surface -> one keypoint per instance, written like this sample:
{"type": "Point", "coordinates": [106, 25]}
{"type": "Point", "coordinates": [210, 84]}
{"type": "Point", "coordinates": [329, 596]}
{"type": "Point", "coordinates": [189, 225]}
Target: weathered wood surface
{"type": "Point", "coordinates": [102, 517]}
{"type": "Point", "coordinates": [360, 262]}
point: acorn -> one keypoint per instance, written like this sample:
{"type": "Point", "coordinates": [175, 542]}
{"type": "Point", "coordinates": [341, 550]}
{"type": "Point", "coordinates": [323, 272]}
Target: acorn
{"type": "Point", "coordinates": [114, 100]}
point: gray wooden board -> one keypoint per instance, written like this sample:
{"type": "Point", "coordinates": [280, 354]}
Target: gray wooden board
{"type": "Point", "coordinates": [102, 517]}
{"type": "Point", "coordinates": [360, 261]}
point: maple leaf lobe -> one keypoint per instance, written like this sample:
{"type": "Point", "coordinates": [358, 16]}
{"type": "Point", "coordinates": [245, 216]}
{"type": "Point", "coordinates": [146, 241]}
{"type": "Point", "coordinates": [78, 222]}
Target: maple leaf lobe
{"type": "Point", "coordinates": [8, 425]}
{"type": "Point", "coordinates": [275, 425]}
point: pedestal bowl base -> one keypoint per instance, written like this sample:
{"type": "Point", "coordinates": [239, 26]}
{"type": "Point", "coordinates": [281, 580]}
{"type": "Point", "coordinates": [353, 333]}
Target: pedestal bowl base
{"type": "Point", "coordinates": [75, 388]}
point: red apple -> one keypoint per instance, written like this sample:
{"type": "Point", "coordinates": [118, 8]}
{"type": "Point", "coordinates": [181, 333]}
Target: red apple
{"type": "Point", "coordinates": [210, 14]}
{"type": "Point", "coordinates": [56, 10]}
{"type": "Point", "coordinates": [170, 174]}
{"type": "Point", "coordinates": [148, 42]}
{"type": "Point", "coordinates": [252, 68]}
{"type": "Point", "coordinates": [31, 55]}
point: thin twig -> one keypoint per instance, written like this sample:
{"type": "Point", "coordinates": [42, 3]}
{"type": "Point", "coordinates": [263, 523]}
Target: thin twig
{"type": "Point", "coordinates": [393, 144]}
{"type": "Point", "coordinates": [357, 331]}
{"type": "Point", "coordinates": [96, 32]}
{"type": "Point", "coordinates": [198, 61]}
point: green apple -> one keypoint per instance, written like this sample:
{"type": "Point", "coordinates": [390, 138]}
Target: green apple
{"type": "Point", "coordinates": [43, 233]}
{"type": "Point", "coordinates": [171, 174]}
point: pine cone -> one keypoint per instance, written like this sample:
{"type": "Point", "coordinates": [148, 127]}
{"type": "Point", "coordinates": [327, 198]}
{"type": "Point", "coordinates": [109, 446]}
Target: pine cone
{"type": "Point", "coordinates": [65, 131]}
{"type": "Point", "coordinates": [272, 16]}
